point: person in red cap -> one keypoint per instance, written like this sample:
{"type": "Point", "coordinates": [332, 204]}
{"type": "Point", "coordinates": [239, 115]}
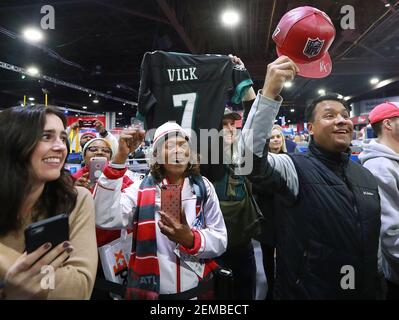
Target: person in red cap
{"type": "Point", "coordinates": [381, 157]}
{"type": "Point", "coordinates": [328, 207]}
{"type": "Point", "coordinates": [305, 34]}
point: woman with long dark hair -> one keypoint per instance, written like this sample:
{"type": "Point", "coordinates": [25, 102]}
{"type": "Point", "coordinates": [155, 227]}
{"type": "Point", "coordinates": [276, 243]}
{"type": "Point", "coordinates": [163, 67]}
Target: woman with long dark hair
{"type": "Point", "coordinates": [34, 186]}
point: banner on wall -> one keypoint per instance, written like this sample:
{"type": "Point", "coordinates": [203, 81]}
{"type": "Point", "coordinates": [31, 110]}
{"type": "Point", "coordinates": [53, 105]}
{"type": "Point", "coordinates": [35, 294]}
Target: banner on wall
{"type": "Point", "coordinates": [364, 107]}
{"type": "Point", "coordinates": [359, 120]}
{"type": "Point", "coordinates": [288, 131]}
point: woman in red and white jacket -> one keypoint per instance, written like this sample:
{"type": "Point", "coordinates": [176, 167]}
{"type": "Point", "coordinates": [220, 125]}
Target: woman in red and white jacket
{"type": "Point", "coordinates": [99, 147]}
{"type": "Point", "coordinates": [168, 256]}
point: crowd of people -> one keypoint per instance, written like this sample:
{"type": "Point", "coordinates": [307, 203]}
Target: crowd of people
{"type": "Point", "coordinates": [328, 226]}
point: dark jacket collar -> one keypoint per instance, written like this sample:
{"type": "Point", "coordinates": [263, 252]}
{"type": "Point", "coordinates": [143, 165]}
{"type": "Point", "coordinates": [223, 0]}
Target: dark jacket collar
{"type": "Point", "coordinates": [336, 161]}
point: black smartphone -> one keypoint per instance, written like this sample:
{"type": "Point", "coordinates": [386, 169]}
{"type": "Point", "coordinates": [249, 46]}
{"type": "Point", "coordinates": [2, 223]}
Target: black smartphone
{"type": "Point", "coordinates": [54, 230]}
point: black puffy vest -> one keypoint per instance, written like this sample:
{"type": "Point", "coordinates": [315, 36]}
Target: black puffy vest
{"type": "Point", "coordinates": [333, 227]}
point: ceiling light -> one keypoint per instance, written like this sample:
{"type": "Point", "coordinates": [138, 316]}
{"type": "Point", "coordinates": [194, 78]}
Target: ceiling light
{"type": "Point", "coordinates": [84, 107]}
{"type": "Point", "coordinates": [120, 113]}
{"type": "Point", "coordinates": [374, 80]}
{"type": "Point", "coordinates": [32, 104]}
{"type": "Point", "coordinates": [288, 84]}
{"type": "Point", "coordinates": [31, 99]}
{"type": "Point", "coordinates": [321, 92]}
{"type": "Point", "coordinates": [230, 18]}
{"type": "Point", "coordinates": [289, 121]}
{"type": "Point", "coordinates": [33, 35]}
{"type": "Point", "coordinates": [124, 104]}
{"type": "Point", "coordinates": [292, 110]}
{"type": "Point", "coordinates": [32, 71]}
{"type": "Point", "coordinates": [95, 100]}
{"type": "Point", "coordinates": [387, 5]}
{"type": "Point", "coordinates": [23, 76]}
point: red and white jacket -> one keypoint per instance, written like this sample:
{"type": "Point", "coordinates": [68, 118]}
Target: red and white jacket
{"type": "Point", "coordinates": [115, 209]}
{"type": "Point", "coordinates": [106, 236]}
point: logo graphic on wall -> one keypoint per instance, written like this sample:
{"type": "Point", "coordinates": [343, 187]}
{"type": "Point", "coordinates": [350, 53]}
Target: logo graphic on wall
{"type": "Point", "coordinates": [313, 47]}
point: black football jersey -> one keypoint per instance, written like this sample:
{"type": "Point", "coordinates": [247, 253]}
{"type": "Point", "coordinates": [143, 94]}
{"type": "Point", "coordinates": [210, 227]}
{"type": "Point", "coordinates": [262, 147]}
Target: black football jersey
{"type": "Point", "coordinates": [189, 89]}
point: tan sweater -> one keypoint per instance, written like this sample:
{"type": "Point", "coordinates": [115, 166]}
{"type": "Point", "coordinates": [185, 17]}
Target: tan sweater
{"type": "Point", "coordinates": [75, 279]}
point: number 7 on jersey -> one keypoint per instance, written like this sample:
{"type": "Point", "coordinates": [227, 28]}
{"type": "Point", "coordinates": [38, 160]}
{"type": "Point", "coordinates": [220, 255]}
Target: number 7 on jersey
{"type": "Point", "coordinates": [188, 112]}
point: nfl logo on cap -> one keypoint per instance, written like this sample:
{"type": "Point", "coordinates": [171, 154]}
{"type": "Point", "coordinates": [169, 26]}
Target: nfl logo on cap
{"type": "Point", "coordinates": [305, 34]}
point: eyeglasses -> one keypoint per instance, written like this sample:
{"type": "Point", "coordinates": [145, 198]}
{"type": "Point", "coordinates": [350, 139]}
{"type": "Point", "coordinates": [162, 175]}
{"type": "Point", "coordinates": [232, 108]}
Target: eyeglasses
{"type": "Point", "coordinates": [96, 149]}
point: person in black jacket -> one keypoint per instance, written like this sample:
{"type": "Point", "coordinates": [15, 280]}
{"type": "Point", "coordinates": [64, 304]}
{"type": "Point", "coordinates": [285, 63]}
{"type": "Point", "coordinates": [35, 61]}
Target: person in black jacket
{"type": "Point", "coordinates": [263, 193]}
{"type": "Point", "coordinates": [329, 206]}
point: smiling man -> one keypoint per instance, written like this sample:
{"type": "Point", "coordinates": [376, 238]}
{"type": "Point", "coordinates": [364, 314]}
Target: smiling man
{"type": "Point", "coordinates": [329, 123]}
{"type": "Point", "coordinates": [328, 212]}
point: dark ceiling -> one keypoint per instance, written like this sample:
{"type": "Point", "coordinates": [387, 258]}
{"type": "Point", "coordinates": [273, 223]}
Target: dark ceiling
{"type": "Point", "coordinates": [99, 45]}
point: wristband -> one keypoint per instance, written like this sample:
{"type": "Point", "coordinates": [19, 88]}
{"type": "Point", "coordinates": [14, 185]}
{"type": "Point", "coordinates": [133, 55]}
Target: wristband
{"type": "Point", "coordinates": [117, 165]}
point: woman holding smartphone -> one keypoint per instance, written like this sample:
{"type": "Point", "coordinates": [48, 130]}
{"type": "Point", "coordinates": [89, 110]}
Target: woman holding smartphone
{"type": "Point", "coordinates": [33, 187]}
{"type": "Point", "coordinates": [93, 150]}
{"type": "Point", "coordinates": [170, 257]}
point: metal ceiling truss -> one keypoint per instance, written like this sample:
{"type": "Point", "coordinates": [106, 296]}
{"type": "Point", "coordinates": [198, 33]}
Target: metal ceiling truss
{"type": "Point", "coordinates": [8, 66]}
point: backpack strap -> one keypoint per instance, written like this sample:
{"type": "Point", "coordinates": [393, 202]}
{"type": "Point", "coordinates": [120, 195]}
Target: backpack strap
{"type": "Point", "coordinates": [199, 188]}
{"type": "Point", "coordinates": [198, 184]}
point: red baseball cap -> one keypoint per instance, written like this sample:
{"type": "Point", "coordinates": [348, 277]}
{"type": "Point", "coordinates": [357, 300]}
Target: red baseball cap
{"type": "Point", "coordinates": [305, 34]}
{"type": "Point", "coordinates": [383, 111]}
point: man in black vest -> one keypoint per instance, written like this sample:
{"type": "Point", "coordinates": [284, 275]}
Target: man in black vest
{"type": "Point", "coordinates": [329, 207]}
